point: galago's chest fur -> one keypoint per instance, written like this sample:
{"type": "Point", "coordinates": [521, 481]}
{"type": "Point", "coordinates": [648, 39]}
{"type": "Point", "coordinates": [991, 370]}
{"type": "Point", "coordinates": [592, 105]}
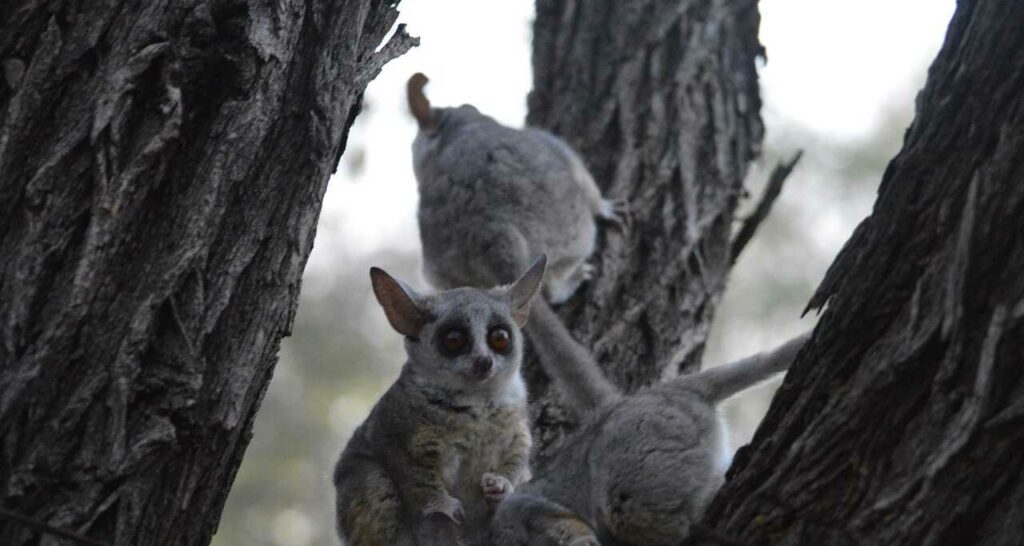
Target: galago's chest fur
{"type": "Point", "coordinates": [481, 439]}
{"type": "Point", "coordinates": [480, 445]}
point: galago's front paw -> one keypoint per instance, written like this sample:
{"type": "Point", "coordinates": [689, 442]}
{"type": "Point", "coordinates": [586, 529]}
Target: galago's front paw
{"type": "Point", "coordinates": [446, 505]}
{"type": "Point", "coordinates": [617, 213]}
{"type": "Point", "coordinates": [495, 487]}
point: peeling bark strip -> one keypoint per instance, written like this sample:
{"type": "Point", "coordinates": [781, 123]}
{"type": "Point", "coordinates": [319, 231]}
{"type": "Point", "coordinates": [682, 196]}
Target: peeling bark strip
{"type": "Point", "coordinates": [902, 422]}
{"type": "Point", "coordinates": [661, 99]}
{"type": "Point", "coordinates": [161, 172]}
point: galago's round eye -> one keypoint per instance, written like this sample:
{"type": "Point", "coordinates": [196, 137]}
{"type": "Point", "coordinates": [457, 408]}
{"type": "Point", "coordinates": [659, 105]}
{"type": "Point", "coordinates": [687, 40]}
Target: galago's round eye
{"type": "Point", "coordinates": [499, 340]}
{"type": "Point", "coordinates": [453, 341]}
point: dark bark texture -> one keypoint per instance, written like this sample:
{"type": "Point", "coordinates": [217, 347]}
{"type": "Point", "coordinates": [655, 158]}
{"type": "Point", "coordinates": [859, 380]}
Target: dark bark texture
{"type": "Point", "coordinates": [903, 420]}
{"type": "Point", "coordinates": [661, 99]}
{"type": "Point", "coordinates": [162, 166]}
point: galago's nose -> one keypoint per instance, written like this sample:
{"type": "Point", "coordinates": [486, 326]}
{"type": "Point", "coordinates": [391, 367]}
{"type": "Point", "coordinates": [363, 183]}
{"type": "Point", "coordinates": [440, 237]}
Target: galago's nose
{"type": "Point", "coordinates": [482, 365]}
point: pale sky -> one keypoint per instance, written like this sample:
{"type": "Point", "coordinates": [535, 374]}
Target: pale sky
{"type": "Point", "coordinates": [833, 67]}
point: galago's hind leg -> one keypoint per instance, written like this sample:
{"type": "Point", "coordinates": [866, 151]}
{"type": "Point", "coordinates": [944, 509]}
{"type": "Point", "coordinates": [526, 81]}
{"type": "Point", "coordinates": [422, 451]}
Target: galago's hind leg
{"type": "Point", "coordinates": [368, 506]}
{"type": "Point", "coordinates": [560, 288]}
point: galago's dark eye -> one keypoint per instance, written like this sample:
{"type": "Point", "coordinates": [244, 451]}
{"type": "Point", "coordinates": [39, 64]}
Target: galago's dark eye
{"type": "Point", "coordinates": [499, 340]}
{"type": "Point", "coordinates": [454, 342]}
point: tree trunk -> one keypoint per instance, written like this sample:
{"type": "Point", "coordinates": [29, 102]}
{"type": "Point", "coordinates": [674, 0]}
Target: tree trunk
{"type": "Point", "coordinates": [903, 422]}
{"type": "Point", "coordinates": [661, 99]}
{"type": "Point", "coordinates": [162, 167]}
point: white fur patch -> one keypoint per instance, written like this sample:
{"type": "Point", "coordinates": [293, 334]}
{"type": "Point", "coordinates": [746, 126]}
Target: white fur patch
{"type": "Point", "coordinates": [724, 455]}
{"type": "Point", "coordinates": [514, 393]}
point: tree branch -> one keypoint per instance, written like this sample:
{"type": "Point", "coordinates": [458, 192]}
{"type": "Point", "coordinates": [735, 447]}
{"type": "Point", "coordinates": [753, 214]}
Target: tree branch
{"type": "Point", "coordinates": [771, 193]}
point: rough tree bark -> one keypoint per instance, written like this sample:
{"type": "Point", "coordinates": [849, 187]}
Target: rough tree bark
{"type": "Point", "coordinates": [161, 172]}
{"type": "Point", "coordinates": [903, 421]}
{"type": "Point", "coordinates": [661, 99]}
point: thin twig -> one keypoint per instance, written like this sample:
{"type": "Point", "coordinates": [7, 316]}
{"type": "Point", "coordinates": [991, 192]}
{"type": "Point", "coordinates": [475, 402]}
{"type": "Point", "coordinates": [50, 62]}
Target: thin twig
{"type": "Point", "coordinates": [771, 193]}
{"type": "Point", "coordinates": [47, 528]}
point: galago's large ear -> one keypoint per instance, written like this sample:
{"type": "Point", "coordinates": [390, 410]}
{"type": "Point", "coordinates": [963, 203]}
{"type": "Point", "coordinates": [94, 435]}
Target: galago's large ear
{"type": "Point", "coordinates": [523, 290]}
{"type": "Point", "coordinates": [419, 106]}
{"type": "Point", "coordinates": [399, 303]}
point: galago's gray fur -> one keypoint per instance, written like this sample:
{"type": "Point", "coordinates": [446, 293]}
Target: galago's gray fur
{"type": "Point", "coordinates": [492, 198]}
{"type": "Point", "coordinates": [451, 438]}
{"type": "Point", "coordinates": [641, 468]}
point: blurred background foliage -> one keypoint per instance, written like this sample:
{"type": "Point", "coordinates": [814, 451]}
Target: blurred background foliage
{"type": "Point", "coordinates": [342, 354]}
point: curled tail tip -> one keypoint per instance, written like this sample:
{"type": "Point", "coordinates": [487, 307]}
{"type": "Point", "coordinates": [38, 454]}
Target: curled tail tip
{"type": "Point", "coordinates": [419, 105]}
{"type": "Point", "coordinates": [417, 81]}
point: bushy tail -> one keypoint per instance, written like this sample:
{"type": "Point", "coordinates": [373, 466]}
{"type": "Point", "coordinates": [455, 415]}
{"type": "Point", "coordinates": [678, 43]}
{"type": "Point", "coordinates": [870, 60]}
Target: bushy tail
{"type": "Point", "coordinates": [570, 364]}
{"type": "Point", "coordinates": [721, 382]}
